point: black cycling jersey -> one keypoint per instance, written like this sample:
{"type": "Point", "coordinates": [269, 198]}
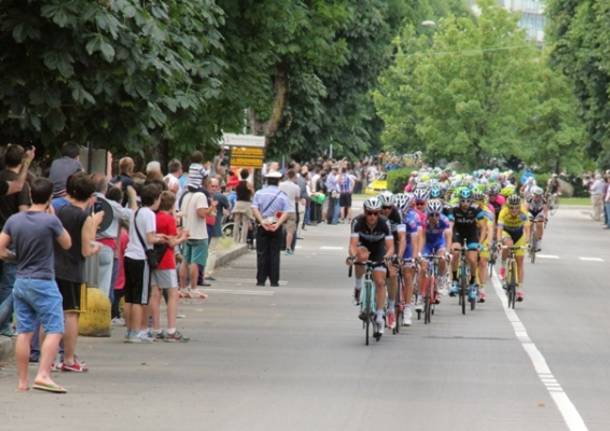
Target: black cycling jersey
{"type": "Point", "coordinates": [465, 223]}
{"type": "Point", "coordinates": [372, 238]}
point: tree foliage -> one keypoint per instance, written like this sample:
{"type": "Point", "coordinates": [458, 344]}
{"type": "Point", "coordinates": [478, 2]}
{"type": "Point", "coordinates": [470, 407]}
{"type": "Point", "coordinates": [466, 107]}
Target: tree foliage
{"type": "Point", "coordinates": [581, 51]}
{"type": "Point", "coordinates": [475, 90]}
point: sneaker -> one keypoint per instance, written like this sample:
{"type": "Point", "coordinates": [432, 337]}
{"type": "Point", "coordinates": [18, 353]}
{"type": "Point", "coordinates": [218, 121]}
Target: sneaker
{"type": "Point", "coordinates": [455, 288]}
{"type": "Point", "coordinates": [419, 305]}
{"type": "Point", "coordinates": [76, 367]}
{"type": "Point", "coordinates": [482, 296]}
{"type": "Point", "coordinates": [118, 321]}
{"type": "Point", "coordinates": [145, 338]}
{"type": "Point", "coordinates": [133, 339]}
{"type": "Point", "coordinates": [520, 295]}
{"type": "Point", "coordinates": [357, 296]}
{"type": "Point", "coordinates": [176, 337]}
{"type": "Point", "coordinates": [379, 325]}
{"type": "Point", "coordinates": [408, 316]}
{"type": "Point", "coordinates": [391, 320]}
{"type": "Point", "coordinates": [180, 316]}
{"type": "Point", "coordinates": [502, 273]}
{"type": "Point", "coordinates": [160, 336]}
{"type": "Point", "coordinates": [472, 293]}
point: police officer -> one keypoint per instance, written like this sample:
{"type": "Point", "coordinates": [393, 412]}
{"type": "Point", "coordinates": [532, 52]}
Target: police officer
{"type": "Point", "coordinates": [269, 207]}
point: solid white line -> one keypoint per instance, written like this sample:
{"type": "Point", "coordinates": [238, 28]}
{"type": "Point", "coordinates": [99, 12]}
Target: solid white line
{"type": "Point", "coordinates": [547, 256]}
{"type": "Point", "coordinates": [567, 409]}
{"type": "Point", "coordinates": [591, 259]}
{"type": "Point", "coordinates": [330, 247]}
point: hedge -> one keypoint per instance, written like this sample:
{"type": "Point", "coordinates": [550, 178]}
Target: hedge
{"type": "Point", "coordinates": [398, 178]}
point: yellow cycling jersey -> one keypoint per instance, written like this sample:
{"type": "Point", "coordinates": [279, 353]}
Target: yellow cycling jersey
{"type": "Point", "coordinates": [510, 222]}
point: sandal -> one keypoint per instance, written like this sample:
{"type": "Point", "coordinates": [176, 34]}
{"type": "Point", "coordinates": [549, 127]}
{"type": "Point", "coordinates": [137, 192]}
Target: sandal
{"type": "Point", "coordinates": [49, 387]}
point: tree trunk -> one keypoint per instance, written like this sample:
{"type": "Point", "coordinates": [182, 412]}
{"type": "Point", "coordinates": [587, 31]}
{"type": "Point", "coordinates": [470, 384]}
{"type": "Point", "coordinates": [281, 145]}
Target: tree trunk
{"type": "Point", "coordinates": [280, 87]}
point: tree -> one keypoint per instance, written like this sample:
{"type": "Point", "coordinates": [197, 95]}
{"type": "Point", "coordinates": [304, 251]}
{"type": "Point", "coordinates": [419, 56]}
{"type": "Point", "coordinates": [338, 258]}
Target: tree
{"type": "Point", "coordinates": [578, 31]}
{"type": "Point", "coordinates": [476, 90]}
{"type": "Point", "coordinates": [109, 73]}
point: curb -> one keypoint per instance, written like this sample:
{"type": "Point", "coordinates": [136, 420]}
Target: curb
{"type": "Point", "coordinates": [230, 255]}
{"type": "Point", "coordinates": [7, 349]}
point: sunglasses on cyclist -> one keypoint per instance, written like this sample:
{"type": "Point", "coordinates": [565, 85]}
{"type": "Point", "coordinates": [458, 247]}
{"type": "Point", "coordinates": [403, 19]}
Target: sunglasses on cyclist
{"type": "Point", "coordinates": [419, 203]}
{"type": "Point", "coordinates": [372, 213]}
{"type": "Point", "coordinates": [434, 214]}
{"type": "Point", "coordinates": [465, 201]}
{"type": "Point", "coordinates": [387, 207]}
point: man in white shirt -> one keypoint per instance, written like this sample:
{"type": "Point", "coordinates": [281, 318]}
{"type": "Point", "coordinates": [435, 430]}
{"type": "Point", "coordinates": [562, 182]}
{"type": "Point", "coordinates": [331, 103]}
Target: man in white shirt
{"type": "Point", "coordinates": [293, 192]}
{"type": "Point", "coordinates": [194, 209]}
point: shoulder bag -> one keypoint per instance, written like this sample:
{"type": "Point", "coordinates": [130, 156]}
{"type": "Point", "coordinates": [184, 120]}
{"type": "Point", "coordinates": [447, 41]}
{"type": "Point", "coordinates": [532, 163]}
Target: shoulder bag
{"type": "Point", "coordinates": [153, 255]}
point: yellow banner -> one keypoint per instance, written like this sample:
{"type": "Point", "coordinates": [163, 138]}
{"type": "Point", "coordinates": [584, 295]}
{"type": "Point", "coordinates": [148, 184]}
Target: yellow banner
{"type": "Point", "coordinates": [245, 162]}
{"type": "Point", "coordinates": [248, 152]}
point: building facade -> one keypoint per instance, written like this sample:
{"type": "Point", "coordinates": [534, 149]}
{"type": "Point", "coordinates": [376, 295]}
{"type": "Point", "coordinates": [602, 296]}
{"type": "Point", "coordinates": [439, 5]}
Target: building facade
{"type": "Point", "coordinates": [532, 16]}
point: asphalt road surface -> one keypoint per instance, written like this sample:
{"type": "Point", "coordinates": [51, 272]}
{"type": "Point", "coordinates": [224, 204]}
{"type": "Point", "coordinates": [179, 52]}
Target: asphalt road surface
{"type": "Point", "coordinates": [293, 357]}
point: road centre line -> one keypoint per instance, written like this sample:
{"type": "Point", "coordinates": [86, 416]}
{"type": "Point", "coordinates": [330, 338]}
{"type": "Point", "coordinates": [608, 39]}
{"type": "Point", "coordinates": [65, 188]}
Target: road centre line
{"type": "Point", "coordinates": [591, 259]}
{"type": "Point", "coordinates": [568, 411]}
{"type": "Point", "coordinates": [328, 247]}
{"type": "Point", "coordinates": [241, 292]}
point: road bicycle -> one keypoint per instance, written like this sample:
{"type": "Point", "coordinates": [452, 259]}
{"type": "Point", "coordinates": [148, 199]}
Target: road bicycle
{"type": "Point", "coordinates": [531, 248]}
{"type": "Point", "coordinates": [429, 290]}
{"type": "Point", "coordinates": [552, 200]}
{"type": "Point", "coordinates": [511, 277]}
{"type": "Point", "coordinates": [368, 306]}
{"type": "Point", "coordinates": [463, 280]}
{"type": "Point", "coordinates": [399, 301]}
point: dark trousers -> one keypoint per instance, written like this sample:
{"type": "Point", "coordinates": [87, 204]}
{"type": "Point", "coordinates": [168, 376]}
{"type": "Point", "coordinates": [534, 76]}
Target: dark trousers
{"type": "Point", "coordinates": [315, 212]}
{"type": "Point", "coordinates": [268, 245]}
{"type": "Point", "coordinates": [330, 213]}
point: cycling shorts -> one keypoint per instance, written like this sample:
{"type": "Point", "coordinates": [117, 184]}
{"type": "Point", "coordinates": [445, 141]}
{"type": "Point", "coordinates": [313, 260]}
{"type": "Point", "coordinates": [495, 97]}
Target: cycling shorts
{"type": "Point", "coordinates": [408, 254]}
{"type": "Point", "coordinates": [537, 214]}
{"type": "Point", "coordinates": [472, 240]}
{"type": "Point", "coordinates": [432, 247]}
{"type": "Point", "coordinates": [518, 239]}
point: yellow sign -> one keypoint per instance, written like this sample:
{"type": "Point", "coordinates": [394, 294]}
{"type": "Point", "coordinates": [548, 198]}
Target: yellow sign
{"type": "Point", "coordinates": [248, 152]}
{"type": "Point", "coordinates": [242, 162]}
{"type": "Point", "coordinates": [247, 157]}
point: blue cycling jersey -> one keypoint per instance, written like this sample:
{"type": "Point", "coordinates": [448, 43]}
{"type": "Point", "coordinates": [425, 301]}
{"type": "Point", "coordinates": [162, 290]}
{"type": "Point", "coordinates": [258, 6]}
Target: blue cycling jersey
{"type": "Point", "coordinates": [434, 233]}
{"type": "Point", "coordinates": [411, 222]}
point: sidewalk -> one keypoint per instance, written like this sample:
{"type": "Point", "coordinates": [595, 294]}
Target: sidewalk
{"type": "Point", "coordinates": [229, 251]}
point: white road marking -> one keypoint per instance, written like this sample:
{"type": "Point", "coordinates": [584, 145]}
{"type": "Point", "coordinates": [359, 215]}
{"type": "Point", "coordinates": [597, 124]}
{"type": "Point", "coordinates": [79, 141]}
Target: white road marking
{"type": "Point", "coordinates": [241, 281]}
{"type": "Point", "coordinates": [241, 292]}
{"type": "Point", "coordinates": [565, 406]}
{"type": "Point", "coordinates": [329, 247]}
{"type": "Point", "coordinates": [547, 256]}
{"type": "Point", "coordinates": [591, 259]}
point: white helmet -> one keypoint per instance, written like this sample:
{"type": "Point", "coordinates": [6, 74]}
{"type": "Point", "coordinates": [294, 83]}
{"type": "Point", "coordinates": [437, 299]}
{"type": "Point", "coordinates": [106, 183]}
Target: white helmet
{"type": "Point", "coordinates": [372, 204]}
{"type": "Point", "coordinates": [386, 199]}
{"type": "Point", "coordinates": [537, 191]}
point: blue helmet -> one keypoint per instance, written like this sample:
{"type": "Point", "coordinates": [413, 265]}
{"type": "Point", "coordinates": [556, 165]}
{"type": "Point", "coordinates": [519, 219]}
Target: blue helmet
{"type": "Point", "coordinates": [465, 194]}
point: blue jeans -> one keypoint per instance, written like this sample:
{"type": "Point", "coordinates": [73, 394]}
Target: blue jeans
{"type": "Point", "coordinates": [7, 281]}
{"type": "Point", "coordinates": [104, 275]}
{"type": "Point", "coordinates": [607, 206]}
{"type": "Point", "coordinates": [307, 214]}
{"type": "Point", "coordinates": [336, 212]}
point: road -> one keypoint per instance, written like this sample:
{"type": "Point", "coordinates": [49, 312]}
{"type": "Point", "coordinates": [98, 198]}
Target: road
{"type": "Point", "coordinates": [293, 357]}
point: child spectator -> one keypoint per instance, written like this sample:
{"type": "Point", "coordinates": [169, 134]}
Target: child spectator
{"type": "Point", "coordinates": [165, 276]}
{"type": "Point", "coordinates": [119, 286]}
{"type": "Point", "coordinates": [36, 296]}
{"type": "Point", "coordinates": [142, 236]}
{"type": "Point", "coordinates": [69, 264]}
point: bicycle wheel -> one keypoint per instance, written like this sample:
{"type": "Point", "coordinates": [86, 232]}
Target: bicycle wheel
{"type": "Point", "coordinates": [399, 307]}
{"type": "Point", "coordinates": [512, 286]}
{"type": "Point", "coordinates": [532, 246]}
{"type": "Point", "coordinates": [367, 328]}
{"type": "Point", "coordinates": [367, 309]}
{"type": "Point", "coordinates": [429, 300]}
{"type": "Point", "coordinates": [473, 304]}
{"type": "Point", "coordinates": [463, 287]}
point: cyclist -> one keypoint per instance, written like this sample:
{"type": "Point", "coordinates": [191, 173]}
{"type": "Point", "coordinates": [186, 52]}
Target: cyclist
{"type": "Point", "coordinates": [469, 224]}
{"type": "Point", "coordinates": [496, 199]}
{"type": "Point", "coordinates": [486, 241]}
{"type": "Point", "coordinates": [513, 229]}
{"type": "Point", "coordinates": [437, 234]}
{"type": "Point", "coordinates": [552, 186]}
{"type": "Point", "coordinates": [371, 239]}
{"type": "Point", "coordinates": [412, 227]}
{"type": "Point", "coordinates": [397, 227]}
{"type": "Point", "coordinates": [538, 210]}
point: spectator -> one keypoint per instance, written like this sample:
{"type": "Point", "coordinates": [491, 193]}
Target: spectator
{"type": "Point", "coordinates": [266, 204]}
{"type": "Point", "coordinates": [196, 171]}
{"type": "Point", "coordinates": [172, 179]}
{"type": "Point", "coordinates": [607, 204]}
{"type": "Point", "coordinates": [119, 286]}
{"type": "Point", "coordinates": [9, 187]}
{"type": "Point", "coordinates": [142, 236]}
{"type": "Point", "coordinates": [194, 210]}
{"type": "Point", "coordinates": [222, 206]}
{"type": "Point", "coordinates": [36, 297]}
{"type": "Point", "coordinates": [346, 185]}
{"type": "Point", "coordinates": [293, 193]}
{"type": "Point", "coordinates": [242, 212]}
{"type": "Point", "coordinates": [69, 264]}
{"type": "Point", "coordinates": [164, 276]}
{"type": "Point", "coordinates": [61, 169]}
{"type": "Point", "coordinates": [333, 192]}
{"type": "Point", "coordinates": [125, 177]}
{"type": "Point", "coordinates": [15, 159]}
{"type": "Point", "coordinates": [597, 196]}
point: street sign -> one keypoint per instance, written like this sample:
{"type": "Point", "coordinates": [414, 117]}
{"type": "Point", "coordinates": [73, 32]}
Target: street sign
{"type": "Point", "coordinates": [247, 151]}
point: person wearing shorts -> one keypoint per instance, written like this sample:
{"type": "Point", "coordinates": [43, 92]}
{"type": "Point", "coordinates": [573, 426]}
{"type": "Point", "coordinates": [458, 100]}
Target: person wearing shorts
{"type": "Point", "coordinates": [35, 294]}
{"type": "Point", "coordinates": [137, 270]}
{"type": "Point", "coordinates": [165, 276]}
{"type": "Point", "coordinates": [69, 264]}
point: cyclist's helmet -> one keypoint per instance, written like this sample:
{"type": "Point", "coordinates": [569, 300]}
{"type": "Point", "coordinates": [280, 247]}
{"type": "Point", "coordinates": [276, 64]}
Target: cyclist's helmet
{"type": "Point", "coordinates": [494, 189]}
{"type": "Point", "coordinates": [514, 201]}
{"type": "Point", "coordinates": [402, 201]}
{"type": "Point", "coordinates": [465, 194]}
{"type": "Point", "coordinates": [477, 196]}
{"type": "Point", "coordinates": [537, 191]}
{"type": "Point", "coordinates": [420, 194]}
{"type": "Point", "coordinates": [386, 199]}
{"type": "Point", "coordinates": [372, 204]}
{"type": "Point", "coordinates": [507, 191]}
{"type": "Point", "coordinates": [436, 193]}
{"type": "Point", "coordinates": [434, 206]}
